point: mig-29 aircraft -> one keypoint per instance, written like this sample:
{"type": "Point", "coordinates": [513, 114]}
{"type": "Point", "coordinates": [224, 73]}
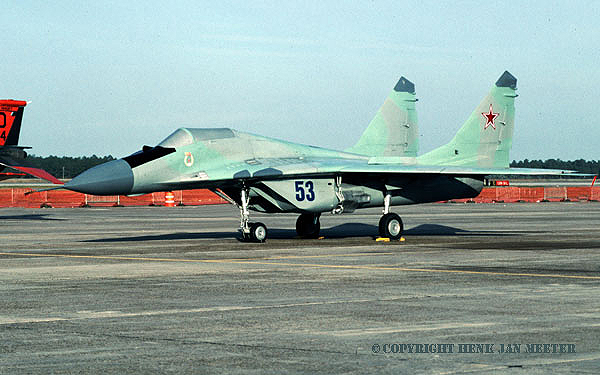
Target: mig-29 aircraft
{"type": "Point", "coordinates": [269, 175]}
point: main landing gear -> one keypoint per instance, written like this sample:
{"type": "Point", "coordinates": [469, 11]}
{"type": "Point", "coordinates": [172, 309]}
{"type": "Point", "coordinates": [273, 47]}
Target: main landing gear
{"type": "Point", "coordinates": [252, 232]}
{"type": "Point", "coordinates": [390, 224]}
{"type": "Point", "coordinates": [308, 225]}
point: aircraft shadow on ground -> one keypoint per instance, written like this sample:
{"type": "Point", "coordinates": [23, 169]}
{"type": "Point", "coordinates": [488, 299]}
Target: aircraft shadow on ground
{"type": "Point", "coordinates": [350, 230]}
{"type": "Point", "coordinates": [30, 217]}
{"type": "Point", "coordinates": [443, 230]}
{"type": "Point", "coordinates": [366, 230]}
{"type": "Point", "coordinates": [169, 236]}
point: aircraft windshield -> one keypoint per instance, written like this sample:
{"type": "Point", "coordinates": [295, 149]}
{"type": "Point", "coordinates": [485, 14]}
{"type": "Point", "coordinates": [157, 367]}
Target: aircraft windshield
{"type": "Point", "coordinates": [185, 136]}
{"type": "Point", "coordinates": [180, 137]}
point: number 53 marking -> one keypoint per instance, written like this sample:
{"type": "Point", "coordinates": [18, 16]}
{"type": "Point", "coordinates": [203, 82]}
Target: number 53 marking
{"type": "Point", "coordinates": [301, 193]}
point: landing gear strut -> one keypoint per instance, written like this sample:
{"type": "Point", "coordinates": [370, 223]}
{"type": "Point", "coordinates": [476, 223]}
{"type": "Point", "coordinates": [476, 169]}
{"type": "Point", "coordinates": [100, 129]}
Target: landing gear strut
{"type": "Point", "coordinates": [308, 225]}
{"type": "Point", "coordinates": [390, 224]}
{"type": "Point", "coordinates": [254, 232]}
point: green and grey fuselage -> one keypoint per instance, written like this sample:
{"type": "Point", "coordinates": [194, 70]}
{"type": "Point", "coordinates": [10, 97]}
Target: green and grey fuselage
{"type": "Point", "coordinates": [281, 176]}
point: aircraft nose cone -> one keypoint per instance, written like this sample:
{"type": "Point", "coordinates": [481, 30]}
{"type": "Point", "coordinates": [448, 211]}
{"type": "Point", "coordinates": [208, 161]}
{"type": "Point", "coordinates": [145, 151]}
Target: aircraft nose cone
{"type": "Point", "coordinates": [112, 178]}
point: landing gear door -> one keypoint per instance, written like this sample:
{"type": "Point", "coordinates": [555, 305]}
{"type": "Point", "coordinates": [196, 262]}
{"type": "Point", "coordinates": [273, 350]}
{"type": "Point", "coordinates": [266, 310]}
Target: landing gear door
{"type": "Point", "coordinates": [310, 194]}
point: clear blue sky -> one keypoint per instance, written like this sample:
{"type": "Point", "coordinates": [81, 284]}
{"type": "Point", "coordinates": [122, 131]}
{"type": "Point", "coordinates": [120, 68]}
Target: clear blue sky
{"type": "Point", "coordinates": [107, 77]}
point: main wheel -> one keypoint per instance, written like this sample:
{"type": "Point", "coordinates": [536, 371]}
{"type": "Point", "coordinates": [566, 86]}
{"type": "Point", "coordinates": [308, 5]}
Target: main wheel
{"type": "Point", "coordinates": [308, 226]}
{"type": "Point", "coordinates": [258, 232]}
{"type": "Point", "coordinates": [245, 236]}
{"type": "Point", "coordinates": [390, 226]}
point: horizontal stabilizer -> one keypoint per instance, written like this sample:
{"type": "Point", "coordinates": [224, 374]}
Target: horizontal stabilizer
{"type": "Point", "coordinates": [40, 173]}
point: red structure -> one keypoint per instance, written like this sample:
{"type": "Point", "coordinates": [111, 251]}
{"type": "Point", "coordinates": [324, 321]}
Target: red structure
{"type": "Point", "coordinates": [15, 197]}
{"type": "Point", "coordinates": [63, 198]}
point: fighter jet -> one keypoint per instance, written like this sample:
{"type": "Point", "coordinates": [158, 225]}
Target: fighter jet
{"type": "Point", "coordinates": [382, 169]}
{"type": "Point", "coordinates": [12, 155]}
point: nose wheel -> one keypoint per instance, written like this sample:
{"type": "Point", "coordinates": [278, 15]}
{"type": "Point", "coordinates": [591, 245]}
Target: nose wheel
{"type": "Point", "coordinates": [257, 233]}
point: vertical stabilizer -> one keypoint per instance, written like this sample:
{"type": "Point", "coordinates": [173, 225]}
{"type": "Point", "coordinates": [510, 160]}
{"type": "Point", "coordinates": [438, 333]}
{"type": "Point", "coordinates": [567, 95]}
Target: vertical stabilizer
{"type": "Point", "coordinates": [11, 115]}
{"type": "Point", "coordinates": [485, 138]}
{"type": "Point", "coordinates": [393, 131]}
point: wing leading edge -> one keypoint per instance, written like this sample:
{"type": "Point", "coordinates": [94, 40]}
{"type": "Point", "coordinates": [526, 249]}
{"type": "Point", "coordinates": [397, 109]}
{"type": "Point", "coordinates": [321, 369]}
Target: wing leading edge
{"type": "Point", "coordinates": [279, 169]}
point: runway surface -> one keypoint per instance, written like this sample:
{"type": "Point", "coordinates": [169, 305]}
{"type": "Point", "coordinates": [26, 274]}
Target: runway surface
{"type": "Point", "coordinates": [172, 290]}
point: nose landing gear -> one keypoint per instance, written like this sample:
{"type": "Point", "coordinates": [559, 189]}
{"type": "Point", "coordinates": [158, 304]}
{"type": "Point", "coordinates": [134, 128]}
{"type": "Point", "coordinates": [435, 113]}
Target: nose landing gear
{"type": "Point", "coordinates": [252, 232]}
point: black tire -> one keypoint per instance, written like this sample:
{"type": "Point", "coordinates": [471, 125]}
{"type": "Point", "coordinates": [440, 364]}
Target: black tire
{"type": "Point", "coordinates": [308, 225]}
{"type": "Point", "coordinates": [391, 226]}
{"type": "Point", "coordinates": [245, 236]}
{"type": "Point", "coordinates": [258, 232]}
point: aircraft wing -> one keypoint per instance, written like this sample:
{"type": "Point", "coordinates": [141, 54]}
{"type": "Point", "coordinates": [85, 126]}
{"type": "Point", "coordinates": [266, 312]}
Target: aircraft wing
{"type": "Point", "coordinates": [40, 173]}
{"type": "Point", "coordinates": [283, 168]}
{"type": "Point", "coordinates": [444, 170]}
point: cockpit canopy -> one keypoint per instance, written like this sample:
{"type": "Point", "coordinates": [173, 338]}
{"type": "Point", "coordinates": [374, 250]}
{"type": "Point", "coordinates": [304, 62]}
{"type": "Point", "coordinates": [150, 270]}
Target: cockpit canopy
{"type": "Point", "coordinates": [179, 138]}
{"type": "Point", "coordinates": [186, 136]}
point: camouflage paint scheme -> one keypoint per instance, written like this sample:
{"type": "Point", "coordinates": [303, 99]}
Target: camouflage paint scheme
{"type": "Point", "coordinates": [393, 131]}
{"type": "Point", "coordinates": [486, 137]}
{"type": "Point", "coordinates": [282, 176]}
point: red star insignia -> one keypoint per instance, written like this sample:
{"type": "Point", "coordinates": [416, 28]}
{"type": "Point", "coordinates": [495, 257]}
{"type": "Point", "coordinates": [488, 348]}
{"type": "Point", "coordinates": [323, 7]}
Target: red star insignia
{"type": "Point", "coordinates": [490, 117]}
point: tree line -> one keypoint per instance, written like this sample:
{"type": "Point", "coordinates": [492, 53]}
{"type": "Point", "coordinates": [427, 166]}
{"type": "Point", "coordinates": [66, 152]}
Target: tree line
{"type": "Point", "coordinates": [69, 167]}
{"type": "Point", "coordinates": [579, 165]}
{"type": "Point", "coordinates": [65, 166]}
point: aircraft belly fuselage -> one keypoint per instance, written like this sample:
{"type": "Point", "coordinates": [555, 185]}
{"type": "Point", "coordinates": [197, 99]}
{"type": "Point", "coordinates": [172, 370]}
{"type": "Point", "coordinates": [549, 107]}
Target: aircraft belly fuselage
{"type": "Point", "coordinates": [323, 195]}
{"type": "Point", "coordinates": [297, 195]}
